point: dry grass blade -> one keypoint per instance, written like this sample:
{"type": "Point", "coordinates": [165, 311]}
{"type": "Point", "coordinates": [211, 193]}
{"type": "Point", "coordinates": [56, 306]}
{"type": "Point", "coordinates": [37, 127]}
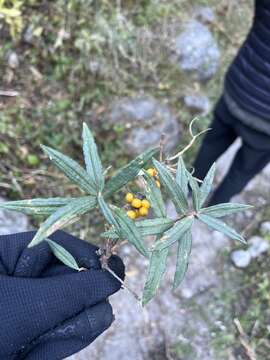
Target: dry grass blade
{"type": "Point", "coordinates": [244, 341]}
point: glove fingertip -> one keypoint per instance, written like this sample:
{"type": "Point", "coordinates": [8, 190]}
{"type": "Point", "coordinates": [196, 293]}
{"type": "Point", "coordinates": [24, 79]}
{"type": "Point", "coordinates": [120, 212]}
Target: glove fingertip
{"type": "Point", "coordinates": [117, 266]}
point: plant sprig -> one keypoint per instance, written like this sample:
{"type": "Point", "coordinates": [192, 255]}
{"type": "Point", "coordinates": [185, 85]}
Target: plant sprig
{"type": "Point", "coordinates": [165, 232]}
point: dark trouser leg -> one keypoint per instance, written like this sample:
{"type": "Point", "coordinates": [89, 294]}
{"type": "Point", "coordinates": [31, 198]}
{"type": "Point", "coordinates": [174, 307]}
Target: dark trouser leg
{"type": "Point", "coordinates": [247, 163]}
{"type": "Point", "coordinates": [216, 142]}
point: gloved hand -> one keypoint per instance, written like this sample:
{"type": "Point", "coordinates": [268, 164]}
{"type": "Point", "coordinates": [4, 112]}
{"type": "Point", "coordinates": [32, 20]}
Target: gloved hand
{"type": "Point", "coordinates": [47, 310]}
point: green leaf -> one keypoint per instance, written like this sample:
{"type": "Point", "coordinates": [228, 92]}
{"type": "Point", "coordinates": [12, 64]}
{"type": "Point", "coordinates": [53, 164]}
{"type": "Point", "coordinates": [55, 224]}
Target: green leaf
{"type": "Point", "coordinates": [64, 216]}
{"type": "Point", "coordinates": [174, 234]}
{"type": "Point", "coordinates": [154, 196]}
{"type": "Point", "coordinates": [155, 226]}
{"type": "Point", "coordinates": [172, 187]}
{"type": "Point", "coordinates": [92, 159]}
{"type": "Point", "coordinates": [36, 206]}
{"type": "Point", "coordinates": [221, 210]}
{"type": "Point", "coordinates": [13, 12]}
{"type": "Point", "coordinates": [63, 255]}
{"type": "Point", "coordinates": [206, 186]}
{"type": "Point", "coordinates": [106, 211]}
{"type": "Point", "coordinates": [129, 231]}
{"type": "Point", "coordinates": [128, 172]}
{"type": "Point", "coordinates": [156, 271]}
{"type": "Point", "coordinates": [71, 169]}
{"type": "Point", "coordinates": [181, 176]}
{"type": "Point", "coordinates": [221, 227]}
{"type": "Point", "coordinates": [146, 227]}
{"type": "Point", "coordinates": [183, 253]}
{"type": "Point", "coordinates": [195, 192]}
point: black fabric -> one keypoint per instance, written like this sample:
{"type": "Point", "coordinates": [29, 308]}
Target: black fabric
{"type": "Point", "coordinates": [248, 78]}
{"type": "Point", "coordinates": [47, 310]}
{"type": "Point", "coordinates": [251, 158]}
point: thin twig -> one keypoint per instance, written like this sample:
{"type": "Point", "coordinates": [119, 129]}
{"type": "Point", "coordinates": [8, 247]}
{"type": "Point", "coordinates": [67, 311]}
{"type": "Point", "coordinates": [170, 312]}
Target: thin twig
{"type": "Point", "coordinates": [243, 340]}
{"type": "Point", "coordinates": [104, 258]}
{"type": "Point", "coordinates": [161, 147]}
{"type": "Point", "coordinates": [122, 282]}
{"type": "Point", "coordinates": [106, 267]}
{"type": "Point", "coordinates": [189, 145]}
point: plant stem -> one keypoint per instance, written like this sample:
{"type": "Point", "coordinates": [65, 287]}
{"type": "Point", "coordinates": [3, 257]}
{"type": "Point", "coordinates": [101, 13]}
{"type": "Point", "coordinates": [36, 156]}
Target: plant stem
{"type": "Point", "coordinates": [161, 147]}
{"type": "Point", "coordinates": [194, 138]}
{"type": "Point", "coordinates": [136, 296]}
{"type": "Point", "coordinates": [106, 254]}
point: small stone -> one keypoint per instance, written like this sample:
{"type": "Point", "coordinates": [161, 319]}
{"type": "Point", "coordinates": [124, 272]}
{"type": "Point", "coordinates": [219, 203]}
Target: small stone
{"type": "Point", "coordinates": [258, 246]}
{"type": "Point", "coordinates": [197, 51]}
{"type": "Point", "coordinates": [13, 60]}
{"type": "Point", "coordinates": [28, 35]}
{"type": "Point", "coordinates": [186, 293]}
{"type": "Point", "coordinates": [265, 228]}
{"type": "Point", "coordinates": [94, 67]}
{"type": "Point", "coordinates": [241, 258]}
{"type": "Point", "coordinates": [197, 104]}
{"type": "Point", "coordinates": [205, 14]}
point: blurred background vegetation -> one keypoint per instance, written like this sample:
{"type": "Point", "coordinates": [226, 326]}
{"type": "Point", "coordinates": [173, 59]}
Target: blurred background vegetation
{"type": "Point", "coordinates": [74, 58]}
{"type": "Point", "coordinates": [69, 60]}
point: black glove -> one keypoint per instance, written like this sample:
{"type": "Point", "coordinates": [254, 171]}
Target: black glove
{"type": "Point", "coordinates": [47, 310]}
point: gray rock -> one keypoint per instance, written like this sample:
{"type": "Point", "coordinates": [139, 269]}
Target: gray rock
{"type": "Point", "coordinates": [198, 104]}
{"type": "Point", "coordinates": [241, 258]}
{"type": "Point", "coordinates": [265, 228]}
{"type": "Point", "coordinates": [144, 120]}
{"type": "Point", "coordinates": [197, 50]}
{"type": "Point", "coordinates": [205, 14]}
{"type": "Point", "coordinates": [13, 60]}
{"type": "Point", "coordinates": [28, 35]}
{"type": "Point", "coordinates": [12, 222]}
{"type": "Point", "coordinates": [94, 67]}
{"type": "Point", "coordinates": [258, 246]}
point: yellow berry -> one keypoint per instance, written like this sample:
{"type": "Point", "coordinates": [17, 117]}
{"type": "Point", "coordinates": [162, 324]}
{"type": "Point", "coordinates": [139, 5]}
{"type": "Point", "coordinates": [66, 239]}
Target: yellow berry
{"type": "Point", "coordinates": [143, 211]}
{"type": "Point", "coordinates": [151, 171]}
{"type": "Point", "coordinates": [136, 203]}
{"type": "Point", "coordinates": [137, 213]}
{"type": "Point", "coordinates": [131, 214]}
{"type": "Point", "coordinates": [129, 197]}
{"type": "Point", "coordinates": [158, 183]}
{"type": "Point", "coordinates": [146, 204]}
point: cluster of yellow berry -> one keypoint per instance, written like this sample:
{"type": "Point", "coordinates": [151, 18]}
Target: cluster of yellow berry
{"type": "Point", "coordinates": [153, 172]}
{"type": "Point", "coordinates": [139, 207]}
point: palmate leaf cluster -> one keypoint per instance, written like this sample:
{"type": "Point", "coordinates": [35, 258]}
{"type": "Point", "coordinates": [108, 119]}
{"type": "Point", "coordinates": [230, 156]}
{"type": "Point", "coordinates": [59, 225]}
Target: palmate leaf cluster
{"type": "Point", "coordinates": [165, 231]}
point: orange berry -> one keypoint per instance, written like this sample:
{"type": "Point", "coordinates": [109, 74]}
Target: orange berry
{"type": "Point", "coordinates": [129, 197]}
{"type": "Point", "coordinates": [151, 171]}
{"type": "Point", "coordinates": [131, 214]}
{"type": "Point", "coordinates": [136, 203]}
{"type": "Point", "coordinates": [146, 204]}
{"type": "Point", "coordinates": [143, 211]}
